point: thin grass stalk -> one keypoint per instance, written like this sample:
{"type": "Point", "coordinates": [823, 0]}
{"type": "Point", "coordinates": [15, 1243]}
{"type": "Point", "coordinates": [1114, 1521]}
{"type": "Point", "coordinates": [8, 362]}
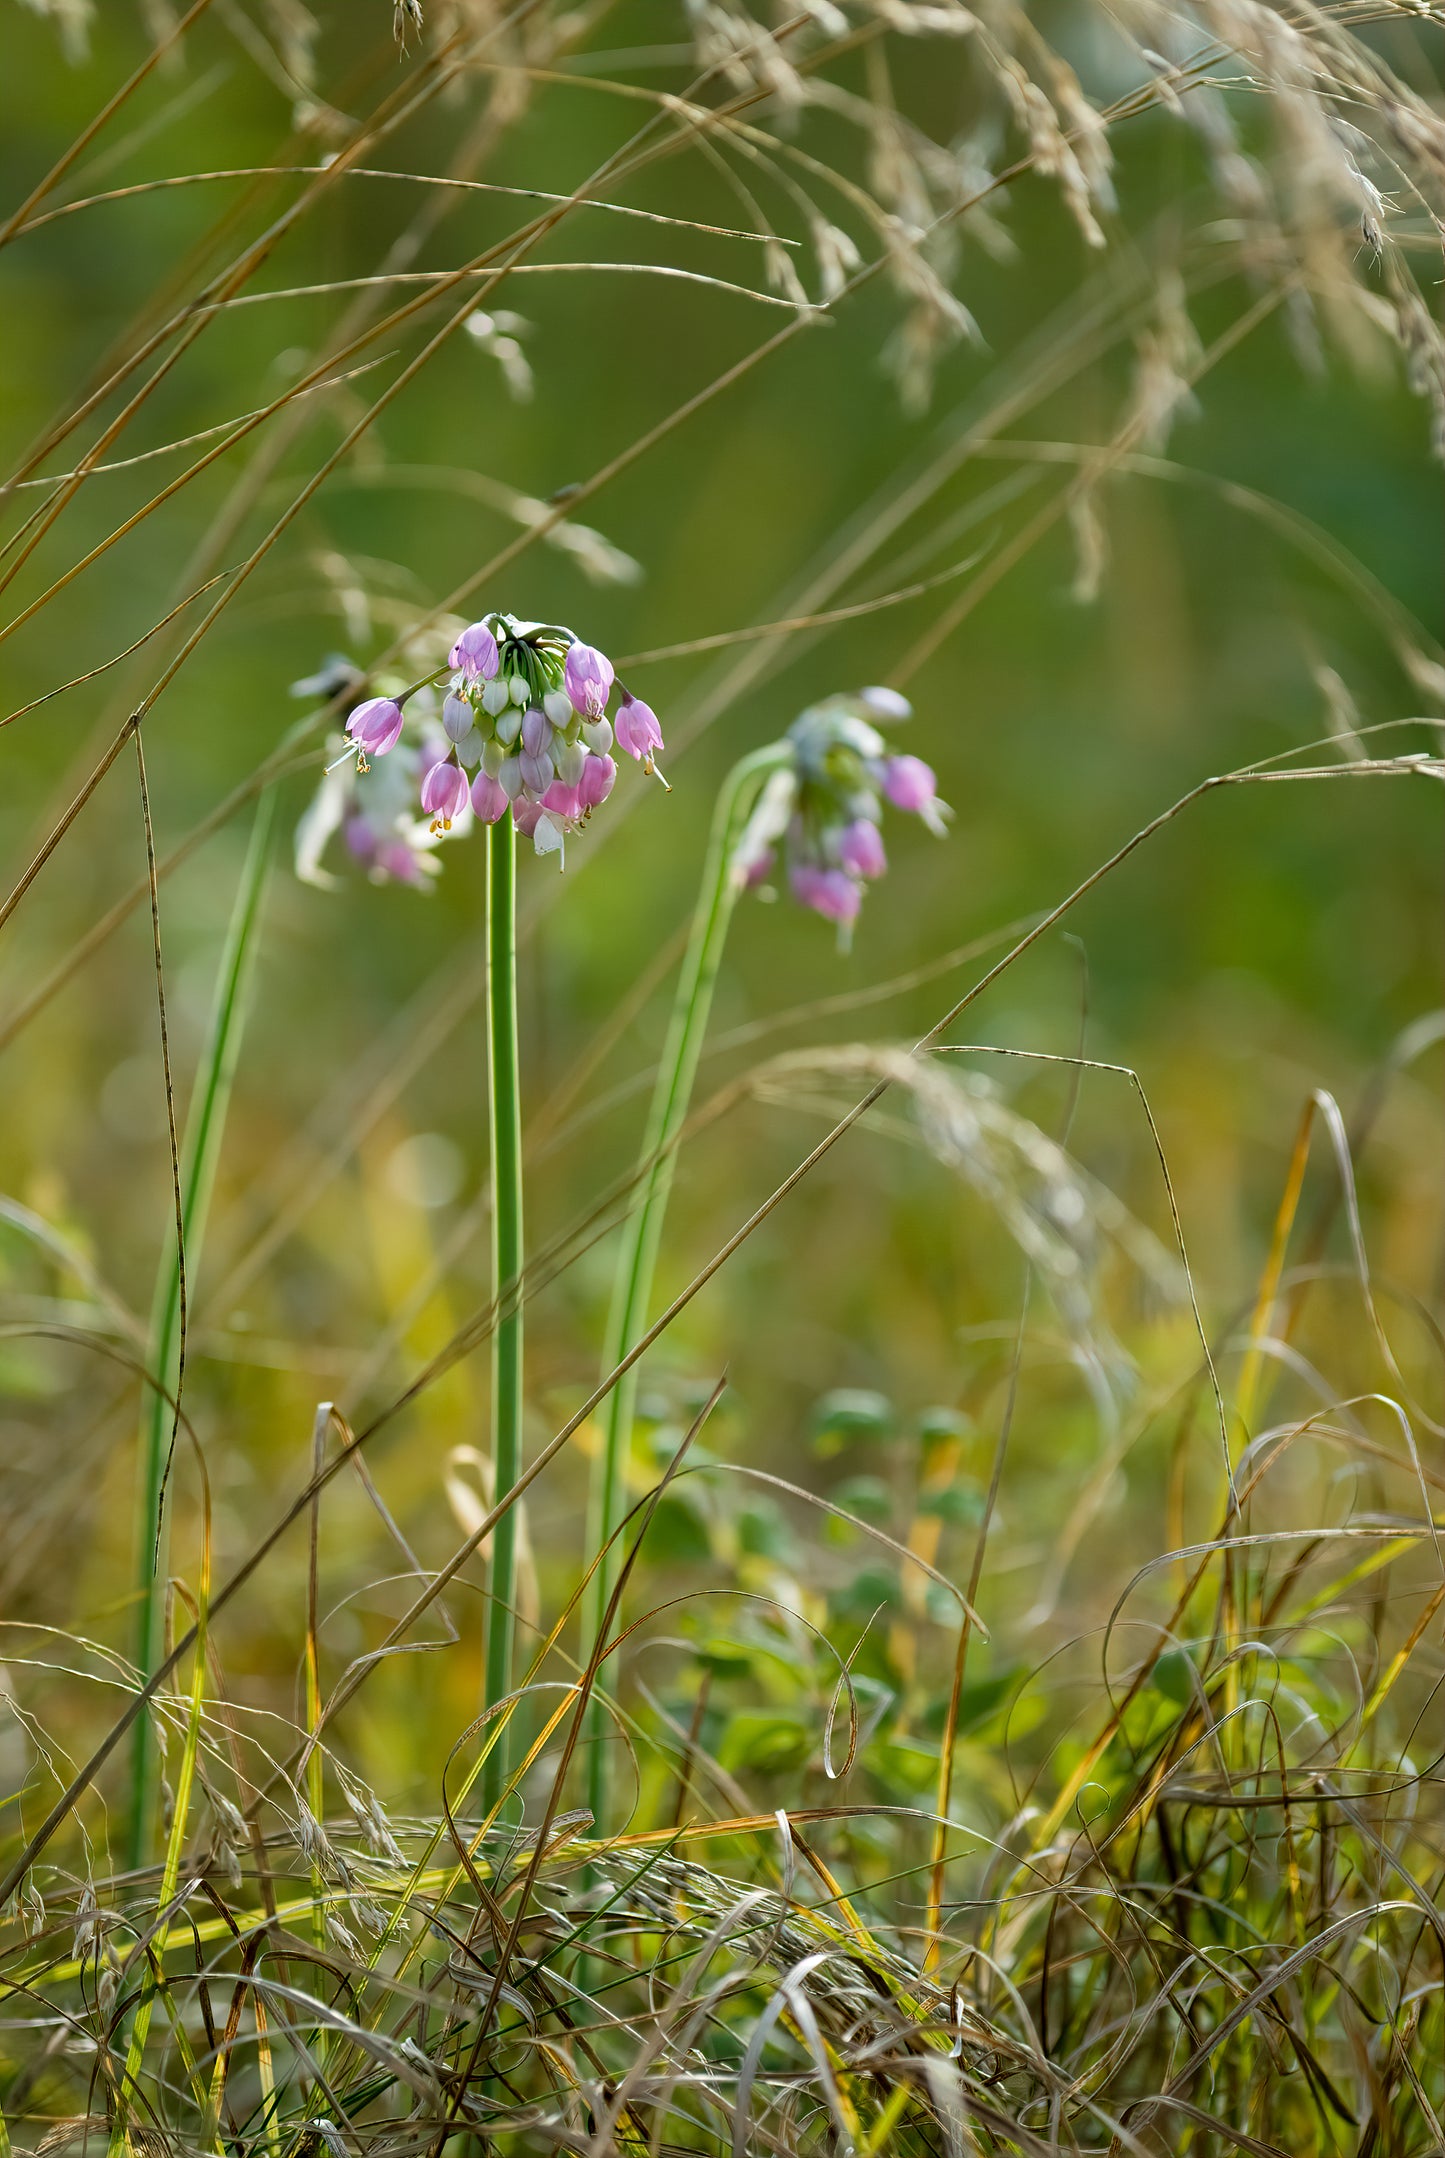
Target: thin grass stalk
{"type": "Point", "coordinates": [120, 2138]}
{"type": "Point", "coordinates": [204, 1130]}
{"type": "Point", "coordinates": [316, 1759]}
{"type": "Point", "coordinates": [642, 1232]}
{"type": "Point", "coordinates": [505, 1103]}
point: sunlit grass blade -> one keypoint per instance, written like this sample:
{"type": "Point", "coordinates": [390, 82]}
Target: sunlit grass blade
{"type": "Point", "coordinates": [205, 1127]}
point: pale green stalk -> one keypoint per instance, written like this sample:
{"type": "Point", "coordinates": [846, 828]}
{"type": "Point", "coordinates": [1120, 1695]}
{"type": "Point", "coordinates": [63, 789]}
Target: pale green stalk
{"type": "Point", "coordinates": [506, 1135]}
{"type": "Point", "coordinates": [204, 1127]}
{"type": "Point", "coordinates": [120, 2135]}
{"type": "Point", "coordinates": [642, 1232]}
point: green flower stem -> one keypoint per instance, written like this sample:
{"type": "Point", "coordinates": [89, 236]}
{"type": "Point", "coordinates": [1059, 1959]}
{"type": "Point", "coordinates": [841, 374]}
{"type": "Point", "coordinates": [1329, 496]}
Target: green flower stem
{"type": "Point", "coordinates": [642, 1233]}
{"type": "Point", "coordinates": [506, 1137]}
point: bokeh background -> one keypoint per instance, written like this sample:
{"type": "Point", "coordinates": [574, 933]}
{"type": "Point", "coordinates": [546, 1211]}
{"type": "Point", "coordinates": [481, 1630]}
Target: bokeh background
{"type": "Point", "coordinates": [1271, 579]}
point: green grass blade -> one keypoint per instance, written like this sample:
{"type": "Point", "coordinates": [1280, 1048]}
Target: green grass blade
{"type": "Point", "coordinates": [205, 1126]}
{"type": "Point", "coordinates": [642, 1232]}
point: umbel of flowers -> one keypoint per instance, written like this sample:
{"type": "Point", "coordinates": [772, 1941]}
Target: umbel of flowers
{"type": "Point", "coordinates": [525, 731]}
{"type": "Point", "coordinates": [824, 801]}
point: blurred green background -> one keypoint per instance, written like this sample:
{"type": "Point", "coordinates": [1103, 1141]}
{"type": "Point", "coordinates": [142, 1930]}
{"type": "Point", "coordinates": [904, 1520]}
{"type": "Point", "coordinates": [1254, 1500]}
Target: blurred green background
{"type": "Point", "coordinates": [1269, 942]}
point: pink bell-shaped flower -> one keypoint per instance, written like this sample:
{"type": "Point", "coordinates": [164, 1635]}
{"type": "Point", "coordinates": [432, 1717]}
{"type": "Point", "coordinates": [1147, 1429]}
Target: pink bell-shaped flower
{"type": "Point", "coordinates": [475, 653]}
{"type": "Point", "coordinates": [636, 729]}
{"type": "Point", "coordinates": [587, 675]}
{"type": "Point", "coordinates": [376, 726]}
{"type": "Point", "coordinates": [444, 792]}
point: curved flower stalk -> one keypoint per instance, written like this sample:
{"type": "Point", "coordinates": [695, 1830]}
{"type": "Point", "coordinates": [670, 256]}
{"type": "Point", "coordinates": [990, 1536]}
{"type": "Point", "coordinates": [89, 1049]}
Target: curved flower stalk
{"type": "Point", "coordinates": [522, 743]}
{"type": "Point", "coordinates": [819, 793]}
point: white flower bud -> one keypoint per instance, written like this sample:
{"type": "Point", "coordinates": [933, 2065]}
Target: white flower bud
{"type": "Point", "coordinates": [520, 693]}
{"type": "Point", "coordinates": [509, 725]}
{"type": "Point", "coordinates": [597, 734]}
{"type": "Point", "coordinates": [496, 696]}
{"type": "Point", "coordinates": [457, 718]}
{"type": "Point", "coordinates": [494, 756]}
{"type": "Point", "coordinates": [469, 749]}
{"type": "Point", "coordinates": [511, 777]}
{"type": "Point", "coordinates": [558, 707]}
{"type": "Point", "coordinates": [570, 759]}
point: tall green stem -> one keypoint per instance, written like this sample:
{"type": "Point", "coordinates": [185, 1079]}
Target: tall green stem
{"type": "Point", "coordinates": [642, 1233]}
{"type": "Point", "coordinates": [506, 1137]}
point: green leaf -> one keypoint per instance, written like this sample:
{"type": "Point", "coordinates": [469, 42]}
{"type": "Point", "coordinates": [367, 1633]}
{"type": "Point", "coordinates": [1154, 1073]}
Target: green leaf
{"type": "Point", "coordinates": [849, 1413]}
{"type": "Point", "coordinates": [763, 1532]}
{"type": "Point", "coordinates": [1174, 1676]}
{"type": "Point", "coordinates": [771, 1742]}
{"type": "Point", "coordinates": [679, 1533]}
{"type": "Point", "coordinates": [960, 1503]}
{"type": "Point", "coordinates": [871, 1588]}
{"type": "Point", "coordinates": [940, 1424]}
{"type": "Point", "coordinates": [866, 1496]}
{"type": "Point", "coordinates": [725, 1659]}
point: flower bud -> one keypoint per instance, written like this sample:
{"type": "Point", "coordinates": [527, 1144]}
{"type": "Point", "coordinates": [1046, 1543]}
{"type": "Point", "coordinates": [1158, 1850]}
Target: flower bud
{"type": "Point", "coordinates": [885, 704]}
{"type": "Point", "coordinates": [570, 759]}
{"type": "Point", "coordinates": [489, 798]}
{"type": "Point", "coordinates": [376, 725]}
{"type": "Point", "coordinates": [536, 732]}
{"type": "Point", "coordinates": [508, 726]}
{"type": "Point", "coordinates": [909, 784]}
{"type": "Point", "coordinates": [525, 815]}
{"type": "Point", "coordinates": [457, 718]}
{"type": "Point", "coordinates": [860, 849]}
{"type": "Point", "coordinates": [829, 892]}
{"type": "Point", "coordinates": [510, 777]}
{"type": "Point", "coordinates": [398, 862]}
{"type": "Point", "coordinates": [537, 773]}
{"type": "Point", "coordinates": [520, 689]}
{"type": "Point", "coordinates": [593, 788]}
{"type": "Point", "coordinates": [558, 707]}
{"type": "Point", "coordinates": [360, 837]}
{"type": "Point", "coordinates": [494, 756]}
{"type": "Point", "coordinates": [496, 696]}
{"type": "Point", "coordinates": [597, 734]}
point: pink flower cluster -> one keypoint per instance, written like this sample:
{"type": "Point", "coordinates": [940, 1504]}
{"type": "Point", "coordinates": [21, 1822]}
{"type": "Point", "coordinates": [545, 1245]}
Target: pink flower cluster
{"type": "Point", "coordinates": [527, 731]}
{"type": "Point", "coordinates": [824, 804]}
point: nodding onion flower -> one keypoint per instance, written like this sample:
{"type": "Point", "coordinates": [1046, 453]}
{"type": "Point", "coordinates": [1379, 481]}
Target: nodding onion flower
{"type": "Point", "coordinates": [522, 731]}
{"type": "Point", "coordinates": [824, 804]}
